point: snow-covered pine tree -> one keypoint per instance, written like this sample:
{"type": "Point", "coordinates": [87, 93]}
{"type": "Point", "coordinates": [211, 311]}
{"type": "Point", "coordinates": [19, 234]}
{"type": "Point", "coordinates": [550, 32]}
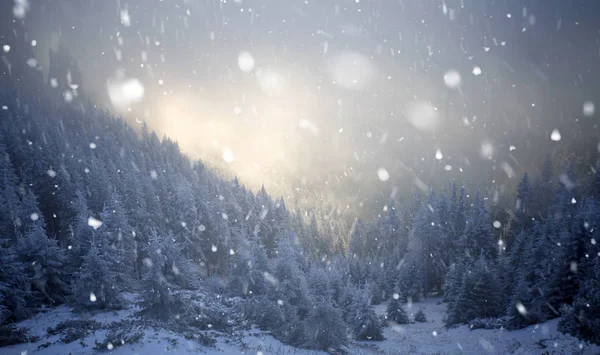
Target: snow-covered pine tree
{"type": "Point", "coordinates": [356, 251]}
{"type": "Point", "coordinates": [266, 313]}
{"type": "Point", "coordinates": [81, 232]}
{"type": "Point", "coordinates": [477, 237]}
{"type": "Point", "coordinates": [240, 265]}
{"type": "Point", "coordinates": [9, 196]}
{"type": "Point", "coordinates": [364, 322]}
{"type": "Point", "coordinates": [453, 282]}
{"type": "Point", "coordinates": [157, 300]}
{"type": "Point", "coordinates": [520, 307]}
{"type": "Point", "coordinates": [411, 269]}
{"type": "Point", "coordinates": [395, 311]}
{"type": "Point", "coordinates": [428, 229]}
{"type": "Point", "coordinates": [420, 316]}
{"type": "Point", "coordinates": [97, 185]}
{"type": "Point", "coordinates": [324, 327]}
{"type": "Point", "coordinates": [177, 268]}
{"type": "Point", "coordinates": [457, 214]}
{"type": "Point", "coordinates": [480, 295]}
{"type": "Point", "coordinates": [543, 190]}
{"type": "Point", "coordinates": [118, 234]}
{"type": "Point", "coordinates": [13, 280]}
{"type": "Point", "coordinates": [338, 278]}
{"type": "Point", "coordinates": [347, 302]}
{"type": "Point", "coordinates": [564, 280]}
{"type": "Point", "coordinates": [583, 319]}
{"type": "Point", "coordinates": [515, 261]}
{"type": "Point", "coordinates": [45, 262]}
{"type": "Point", "coordinates": [95, 284]}
{"type": "Point", "coordinates": [318, 281]}
{"type": "Point", "coordinates": [259, 264]}
{"type": "Point", "coordinates": [524, 207]}
{"type": "Point", "coordinates": [549, 275]}
{"type": "Point", "coordinates": [292, 283]}
{"type": "Point", "coordinates": [373, 289]}
{"type": "Point", "coordinates": [290, 328]}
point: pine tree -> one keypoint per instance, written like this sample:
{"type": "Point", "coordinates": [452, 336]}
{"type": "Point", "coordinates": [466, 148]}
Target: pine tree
{"type": "Point", "coordinates": [458, 212]}
{"type": "Point", "coordinates": [12, 284]}
{"type": "Point", "coordinates": [258, 263]}
{"type": "Point", "coordinates": [521, 308]}
{"type": "Point", "coordinates": [453, 282]}
{"type": "Point", "coordinates": [583, 320]}
{"type": "Point", "coordinates": [477, 237]}
{"type": "Point", "coordinates": [267, 314]}
{"type": "Point", "coordinates": [319, 283]}
{"type": "Point", "coordinates": [524, 207]}
{"type": "Point", "coordinates": [514, 259]}
{"type": "Point", "coordinates": [46, 264]}
{"type": "Point", "coordinates": [551, 275]}
{"type": "Point", "coordinates": [291, 329]}
{"type": "Point", "coordinates": [292, 284]}
{"type": "Point", "coordinates": [543, 190]}
{"type": "Point", "coordinates": [392, 247]}
{"type": "Point", "coordinates": [411, 271]}
{"type": "Point", "coordinates": [239, 275]}
{"type": "Point", "coordinates": [365, 324]}
{"type": "Point", "coordinates": [396, 312]}
{"type": "Point", "coordinates": [428, 229]}
{"type": "Point", "coordinates": [95, 284]}
{"type": "Point", "coordinates": [420, 316]}
{"type": "Point", "coordinates": [81, 232]}
{"type": "Point", "coordinates": [9, 197]}
{"type": "Point", "coordinates": [480, 295]}
{"type": "Point", "coordinates": [324, 328]}
{"type": "Point", "coordinates": [264, 207]}
{"type": "Point", "coordinates": [118, 234]}
{"type": "Point", "coordinates": [347, 302]}
{"type": "Point", "coordinates": [157, 300]}
{"type": "Point", "coordinates": [176, 267]}
{"type": "Point", "coordinates": [357, 243]}
{"type": "Point", "coordinates": [45, 260]}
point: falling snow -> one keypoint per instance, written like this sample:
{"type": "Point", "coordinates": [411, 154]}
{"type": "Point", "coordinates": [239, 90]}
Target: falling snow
{"type": "Point", "coordinates": [383, 174]}
{"type": "Point", "coordinates": [246, 62]}
{"type": "Point", "coordinates": [452, 78]}
{"type": "Point", "coordinates": [94, 223]}
{"type": "Point", "coordinates": [217, 163]}
{"type": "Point", "coordinates": [589, 108]}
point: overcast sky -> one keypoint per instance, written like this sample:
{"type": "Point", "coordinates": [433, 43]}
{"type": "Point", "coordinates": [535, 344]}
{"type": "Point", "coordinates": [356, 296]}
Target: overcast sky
{"type": "Point", "coordinates": [345, 98]}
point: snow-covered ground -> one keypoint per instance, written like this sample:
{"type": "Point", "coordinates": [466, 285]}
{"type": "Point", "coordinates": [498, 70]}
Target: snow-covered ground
{"type": "Point", "coordinates": [432, 337]}
{"type": "Point", "coordinates": [417, 338]}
